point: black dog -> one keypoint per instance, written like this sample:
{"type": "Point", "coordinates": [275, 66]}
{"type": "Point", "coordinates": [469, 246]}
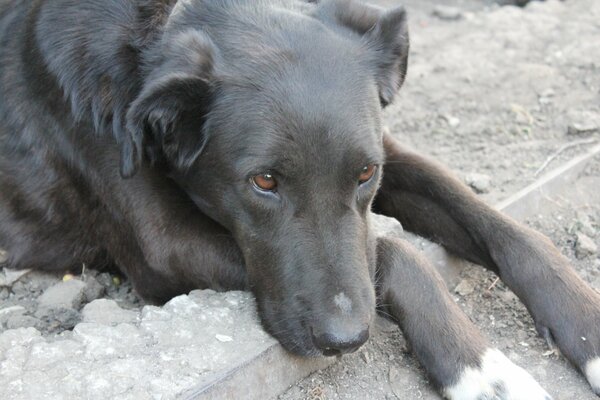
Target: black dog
{"type": "Point", "coordinates": [249, 133]}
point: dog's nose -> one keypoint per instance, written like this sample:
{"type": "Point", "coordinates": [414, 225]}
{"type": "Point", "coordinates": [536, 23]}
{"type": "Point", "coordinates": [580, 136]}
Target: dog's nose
{"type": "Point", "coordinates": [336, 342]}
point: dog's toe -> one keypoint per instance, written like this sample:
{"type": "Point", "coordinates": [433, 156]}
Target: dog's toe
{"type": "Point", "coordinates": [592, 373]}
{"type": "Point", "coordinates": [497, 378]}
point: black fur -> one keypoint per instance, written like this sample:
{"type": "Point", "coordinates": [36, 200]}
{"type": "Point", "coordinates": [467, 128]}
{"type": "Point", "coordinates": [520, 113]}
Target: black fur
{"type": "Point", "coordinates": [130, 132]}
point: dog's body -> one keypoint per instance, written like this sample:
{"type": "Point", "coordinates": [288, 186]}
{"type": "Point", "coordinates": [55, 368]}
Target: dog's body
{"type": "Point", "coordinates": [237, 144]}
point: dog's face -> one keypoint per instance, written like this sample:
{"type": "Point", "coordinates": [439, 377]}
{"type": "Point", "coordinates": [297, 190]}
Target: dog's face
{"type": "Point", "coordinates": [284, 148]}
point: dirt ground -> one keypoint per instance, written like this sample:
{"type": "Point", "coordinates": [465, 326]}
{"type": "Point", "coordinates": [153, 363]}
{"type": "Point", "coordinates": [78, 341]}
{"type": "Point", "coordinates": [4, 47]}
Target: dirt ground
{"type": "Point", "coordinates": [493, 93]}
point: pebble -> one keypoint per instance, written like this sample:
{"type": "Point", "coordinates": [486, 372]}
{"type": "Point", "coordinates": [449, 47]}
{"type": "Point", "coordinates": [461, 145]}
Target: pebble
{"type": "Point", "coordinates": [12, 309]}
{"type": "Point", "coordinates": [22, 321]}
{"type": "Point", "coordinates": [107, 312]}
{"type": "Point", "coordinates": [105, 279]}
{"type": "Point", "coordinates": [464, 288]}
{"type": "Point", "coordinates": [452, 121]}
{"type": "Point", "coordinates": [479, 182]}
{"type": "Point", "coordinates": [223, 338]}
{"type": "Point", "coordinates": [366, 357]}
{"type": "Point", "coordinates": [10, 276]}
{"type": "Point", "coordinates": [386, 226]}
{"type": "Point", "coordinates": [447, 13]}
{"type": "Point", "coordinates": [69, 294]}
{"type": "Point", "coordinates": [582, 122]}
{"type": "Point", "coordinates": [93, 289]}
{"type": "Point", "coordinates": [58, 319]}
{"type": "Point", "coordinates": [546, 96]}
{"type": "Point", "coordinates": [7, 313]}
{"type": "Point", "coordinates": [585, 246]}
{"type": "Point", "coordinates": [585, 226]}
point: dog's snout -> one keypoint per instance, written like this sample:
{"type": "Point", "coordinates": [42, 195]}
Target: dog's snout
{"type": "Point", "coordinates": [335, 341]}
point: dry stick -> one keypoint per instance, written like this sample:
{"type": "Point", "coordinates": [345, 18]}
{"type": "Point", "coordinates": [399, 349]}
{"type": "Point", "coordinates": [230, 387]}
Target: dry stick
{"type": "Point", "coordinates": [493, 284]}
{"type": "Point", "coordinates": [561, 149]}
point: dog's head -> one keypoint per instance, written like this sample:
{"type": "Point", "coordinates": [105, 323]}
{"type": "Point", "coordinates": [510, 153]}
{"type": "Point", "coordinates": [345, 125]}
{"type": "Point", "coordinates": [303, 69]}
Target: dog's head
{"type": "Point", "coordinates": [268, 114]}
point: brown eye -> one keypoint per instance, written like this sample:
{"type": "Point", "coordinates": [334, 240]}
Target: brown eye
{"type": "Point", "coordinates": [265, 182]}
{"type": "Point", "coordinates": [367, 173]}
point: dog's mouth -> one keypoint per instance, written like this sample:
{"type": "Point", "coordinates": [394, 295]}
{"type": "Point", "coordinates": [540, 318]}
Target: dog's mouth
{"type": "Point", "coordinates": [297, 335]}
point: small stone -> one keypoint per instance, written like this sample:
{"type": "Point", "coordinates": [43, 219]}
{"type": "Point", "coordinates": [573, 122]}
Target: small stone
{"type": "Point", "coordinates": [366, 357]}
{"type": "Point", "coordinates": [586, 227]}
{"type": "Point", "coordinates": [107, 312]}
{"type": "Point", "coordinates": [58, 319]}
{"type": "Point", "coordinates": [479, 182]}
{"type": "Point", "coordinates": [20, 289]}
{"type": "Point", "coordinates": [10, 276]}
{"type": "Point", "coordinates": [22, 321]}
{"type": "Point", "coordinates": [223, 338]}
{"type": "Point", "coordinates": [546, 97]}
{"type": "Point", "coordinates": [452, 121]}
{"type": "Point", "coordinates": [385, 226]}
{"type": "Point", "coordinates": [93, 289]}
{"type": "Point", "coordinates": [585, 246]}
{"type": "Point", "coordinates": [104, 279]}
{"type": "Point", "coordinates": [582, 122]}
{"type": "Point", "coordinates": [447, 13]}
{"type": "Point", "coordinates": [3, 256]}
{"type": "Point", "coordinates": [69, 294]}
{"type": "Point", "coordinates": [464, 288]}
{"type": "Point", "coordinates": [7, 313]}
{"type": "Point", "coordinates": [580, 129]}
{"type": "Point", "coordinates": [12, 309]}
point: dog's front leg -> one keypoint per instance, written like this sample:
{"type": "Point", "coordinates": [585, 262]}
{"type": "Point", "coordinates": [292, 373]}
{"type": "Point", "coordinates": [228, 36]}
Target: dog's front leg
{"type": "Point", "coordinates": [429, 201]}
{"type": "Point", "coordinates": [456, 356]}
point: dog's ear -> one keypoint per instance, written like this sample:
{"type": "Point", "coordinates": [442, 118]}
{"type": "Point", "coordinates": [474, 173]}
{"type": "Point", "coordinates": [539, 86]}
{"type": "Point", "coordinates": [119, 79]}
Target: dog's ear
{"type": "Point", "coordinates": [166, 120]}
{"type": "Point", "coordinates": [389, 37]}
{"type": "Point", "coordinates": [385, 31]}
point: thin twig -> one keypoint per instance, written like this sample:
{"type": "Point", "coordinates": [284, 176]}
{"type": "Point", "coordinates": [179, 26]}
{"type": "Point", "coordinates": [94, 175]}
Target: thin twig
{"type": "Point", "coordinates": [561, 149]}
{"type": "Point", "coordinates": [493, 284]}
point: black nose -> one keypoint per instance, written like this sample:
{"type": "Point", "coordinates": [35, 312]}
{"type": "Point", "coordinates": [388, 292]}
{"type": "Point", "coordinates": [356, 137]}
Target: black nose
{"type": "Point", "coordinates": [335, 343]}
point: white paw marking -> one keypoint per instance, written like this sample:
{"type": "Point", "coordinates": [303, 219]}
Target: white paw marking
{"type": "Point", "coordinates": [497, 379]}
{"type": "Point", "coordinates": [343, 302]}
{"type": "Point", "coordinates": [592, 373]}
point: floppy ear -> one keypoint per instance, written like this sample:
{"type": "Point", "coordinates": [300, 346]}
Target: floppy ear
{"type": "Point", "coordinates": [386, 32]}
{"type": "Point", "coordinates": [166, 121]}
{"type": "Point", "coordinates": [389, 36]}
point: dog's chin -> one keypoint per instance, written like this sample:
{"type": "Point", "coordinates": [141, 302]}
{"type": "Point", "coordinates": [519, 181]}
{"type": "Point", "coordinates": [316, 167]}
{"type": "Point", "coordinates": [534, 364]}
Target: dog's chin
{"type": "Point", "coordinates": [294, 337]}
{"type": "Point", "coordinates": [291, 332]}
{"type": "Point", "coordinates": [300, 347]}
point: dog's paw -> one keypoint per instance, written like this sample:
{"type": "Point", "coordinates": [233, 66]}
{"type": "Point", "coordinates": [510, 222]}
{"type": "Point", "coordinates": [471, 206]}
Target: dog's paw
{"type": "Point", "coordinates": [497, 378]}
{"type": "Point", "coordinates": [592, 373]}
{"type": "Point", "coordinates": [577, 336]}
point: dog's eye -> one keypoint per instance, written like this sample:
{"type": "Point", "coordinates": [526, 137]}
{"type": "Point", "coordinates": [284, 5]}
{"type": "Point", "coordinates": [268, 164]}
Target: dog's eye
{"type": "Point", "coordinates": [265, 182]}
{"type": "Point", "coordinates": [367, 173]}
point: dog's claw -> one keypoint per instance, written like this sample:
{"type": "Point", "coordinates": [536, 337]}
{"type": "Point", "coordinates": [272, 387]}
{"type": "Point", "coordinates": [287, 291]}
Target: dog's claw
{"type": "Point", "coordinates": [546, 334]}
